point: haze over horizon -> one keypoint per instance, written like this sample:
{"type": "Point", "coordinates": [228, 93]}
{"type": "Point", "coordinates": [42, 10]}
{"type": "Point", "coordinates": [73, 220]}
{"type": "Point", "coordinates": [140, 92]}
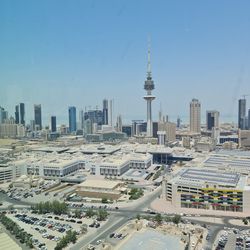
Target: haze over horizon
{"type": "Point", "coordinates": [61, 53]}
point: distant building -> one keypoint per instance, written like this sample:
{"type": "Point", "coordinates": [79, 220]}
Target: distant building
{"type": "Point", "coordinates": [242, 114]}
{"type": "Point", "coordinates": [38, 116]}
{"type": "Point", "coordinates": [170, 130]}
{"type": "Point", "coordinates": [20, 114]}
{"type": "Point", "coordinates": [9, 129]}
{"type": "Point", "coordinates": [244, 138]}
{"type": "Point", "coordinates": [248, 119]}
{"type": "Point", "coordinates": [195, 116]}
{"type": "Point", "coordinates": [105, 119]}
{"type": "Point", "coordinates": [72, 119]}
{"type": "Point", "coordinates": [119, 123]}
{"type": "Point", "coordinates": [95, 116]}
{"type": "Point", "coordinates": [87, 127]}
{"type": "Point", "coordinates": [17, 114]}
{"type": "Point", "coordinates": [3, 115]}
{"type": "Point", "coordinates": [127, 129]}
{"type": "Point", "coordinates": [53, 123]}
{"type": "Point", "coordinates": [212, 119]}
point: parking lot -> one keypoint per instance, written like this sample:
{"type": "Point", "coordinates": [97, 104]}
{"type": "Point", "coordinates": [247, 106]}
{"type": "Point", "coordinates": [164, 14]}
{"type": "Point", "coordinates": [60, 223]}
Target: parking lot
{"type": "Point", "coordinates": [233, 239]}
{"type": "Point", "coordinates": [48, 229]}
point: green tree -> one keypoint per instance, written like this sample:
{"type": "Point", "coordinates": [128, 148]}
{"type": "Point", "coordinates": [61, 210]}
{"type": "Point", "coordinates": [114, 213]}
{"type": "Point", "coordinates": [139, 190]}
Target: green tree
{"type": "Point", "coordinates": [78, 213]}
{"type": "Point", "coordinates": [102, 214]}
{"type": "Point", "coordinates": [158, 218]}
{"type": "Point", "coordinates": [104, 200]}
{"type": "Point", "coordinates": [176, 219]}
{"type": "Point", "coordinates": [90, 212]}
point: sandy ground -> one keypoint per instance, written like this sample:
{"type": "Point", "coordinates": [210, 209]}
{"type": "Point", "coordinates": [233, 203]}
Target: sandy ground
{"type": "Point", "coordinates": [164, 206]}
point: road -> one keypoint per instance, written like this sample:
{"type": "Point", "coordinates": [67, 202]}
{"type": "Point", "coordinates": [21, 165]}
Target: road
{"type": "Point", "coordinates": [116, 220]}
{"type": "Point", "coordinates": [121, 216]}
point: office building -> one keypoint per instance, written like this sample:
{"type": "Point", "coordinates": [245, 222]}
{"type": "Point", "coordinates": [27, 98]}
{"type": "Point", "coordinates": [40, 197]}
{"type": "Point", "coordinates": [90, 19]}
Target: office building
{"type": "Point", "coordinates": [119, 123]}
{"type": "Point", "coordinates": [53, 124]}
{"type": "Point", "coordinates": [17, 114]}
{"type": "Point", "coordinates": [212, 119]}
{"type": "Point", "coordinates": [195, 116]}
{"type": "Point", "coordinates": [10, 129]}
{"type": "Point", "coordinates": [87, 127]}
{"type": "Point", "coordinates": [149, 86]}
{"type": "Point", "coordinates": [170, 130]}
{"type": "Point", "coordinates": [242, 114]}
{"type": "Point", "coordinates": [38, 116]}
{"type": "Point", "coordinates": [72, 119]}
{"type": "Point", "coordinates": [81, 119]}
{"type": "Point", "coordinates": [127, 129]}
{"type": "Point", "coordinates": [248, 125]}
{"type": "Point", "coordinates": [20, 114]}
{"type": "Point", "coordinates": [244, 138]}
{"type": "Point", "coordinates": [110, 113]}
{"type": "Point", "coordinates": [105, 119]}
{"type": "Point", "coordinates": [3, 115]}
{"type": "Point", "coordinates": [95, 116]}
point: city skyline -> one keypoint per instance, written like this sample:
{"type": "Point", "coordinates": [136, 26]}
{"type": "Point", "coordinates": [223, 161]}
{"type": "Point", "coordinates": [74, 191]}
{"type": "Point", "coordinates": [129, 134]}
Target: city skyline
{"type": "Point", "coordinates": [192, 56]}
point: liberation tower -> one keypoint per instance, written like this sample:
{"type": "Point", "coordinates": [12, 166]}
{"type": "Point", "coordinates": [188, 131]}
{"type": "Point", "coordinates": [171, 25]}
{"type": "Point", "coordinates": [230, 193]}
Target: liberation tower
{"type": "Point", "coordinates": [149, 86]}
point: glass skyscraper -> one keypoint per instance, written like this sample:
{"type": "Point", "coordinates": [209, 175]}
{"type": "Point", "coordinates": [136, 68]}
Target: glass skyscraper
{"type": "Point", "coordinates": [72, 119]}
{"type": "Point", "coordinates": [38, 115]}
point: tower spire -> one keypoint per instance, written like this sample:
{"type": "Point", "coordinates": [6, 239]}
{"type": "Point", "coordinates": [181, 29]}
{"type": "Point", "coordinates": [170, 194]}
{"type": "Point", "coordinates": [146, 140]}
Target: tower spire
{"type": "Point", "coordinates": [149, 62]}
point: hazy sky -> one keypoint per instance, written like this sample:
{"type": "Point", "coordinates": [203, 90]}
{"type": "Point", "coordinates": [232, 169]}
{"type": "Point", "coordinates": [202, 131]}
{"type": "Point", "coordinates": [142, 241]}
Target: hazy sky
{"type": "Point", "coordinates": [62, 53]}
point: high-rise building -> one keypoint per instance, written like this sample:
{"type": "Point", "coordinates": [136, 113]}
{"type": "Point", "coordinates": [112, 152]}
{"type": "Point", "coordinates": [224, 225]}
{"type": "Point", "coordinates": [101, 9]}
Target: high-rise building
{"type": "Point", "coordinates": [22, 113]}
{"type": "Point", "coordinates": [72, 119]}
{"type": "Point", "coordinates": [110, 122]}
{"type": "Point", "coordinates": [149, 86]}
{"type": "Point", "coordinates": [81, 119]}
{"type": "Point", "coordinates": [248, 119]}
{"type": "Point", "coordinates": [127, 129]}
{"type": "Point", "coordinates": [178, 124]}
{"type": "Point", "coordinates": [17, 114]}
{"type": "Point", "coordinates": [38, 116]}
{"type": "Point", "coordinates": [242, 113]}
{"type": "Point", "coordinates": [3, 115]}
{"type": "Point", "coordinates": [87, 127]}
{"type": "Point", "coordinates": [105, 119]}
{"type": "Point", "coordinates": [95, 116]}
{"type": "Point", "coordinates": [195, 116]}
{"type": "Point", "coordinates": [212, 119]}
{"type": "Point", "coordinates": [119, 123]}
{"type": "Point", "coordinates": [53, 123]}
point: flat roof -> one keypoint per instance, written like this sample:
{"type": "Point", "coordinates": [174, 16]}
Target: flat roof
{"type": "Point", "coordinates": [200, 176]}
{"type": "Point", "coordinates": [99, 183]}
{"type": "Point", "coordinates": [206, 175]}
{"type": "Point", "coordinates": [99, 149]}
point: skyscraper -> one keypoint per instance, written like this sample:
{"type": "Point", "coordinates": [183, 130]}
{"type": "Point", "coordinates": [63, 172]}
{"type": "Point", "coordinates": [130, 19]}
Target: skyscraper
{"type": "Point", "coordinates": [96, 116]}
{"type": "Point", "coordinates": [38, 116]}
{"type": "Point", "coordinates": [105, 119]}
{"type": "Point", "coordinates": [212, 119]}
{"type": "Point", "coordinates": [22, 113]}
{"type": "Point", "coordinates": [3, 115]}
{"type": "Point", "coordinates": [72, 119]}
{"type": "Point", "coordinates": [242, 113]}
{"type": "Point", "coordinates": [195, 116]}
{"type": "Point", "coordinates": [53, 123]}
{"type": "Point", "coordinates": [17, 114]}
{"type": "Point", "coordinates": [149, 86]}
{"type": "Point", "coordinates": [248, 127]}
